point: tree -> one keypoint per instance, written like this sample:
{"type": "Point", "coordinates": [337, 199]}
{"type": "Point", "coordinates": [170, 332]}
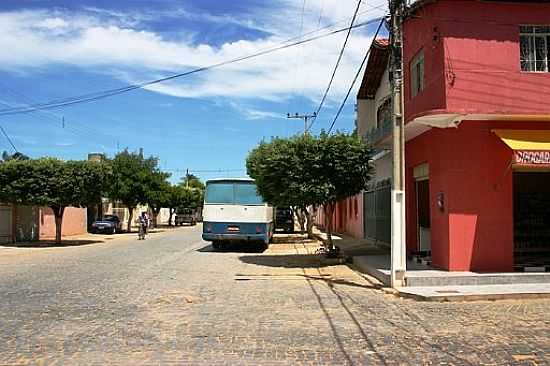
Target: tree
{"type": "Point", "coordinates": [192, 181]}
{"type": "Point", "coordinates": [306, 171]}
{"type": "Point", "coordinates": [53, 183]}
{"type": "Point", "coordinates": [15, 156]}
{"type": "Point", "coordinates": [132, 177]}
{"type": "Point", "coordinates": [282, 176]}
{"type": "Point", "coordinates": [158, 193]}
{"type": "Point", "coordinates": [176, 197]}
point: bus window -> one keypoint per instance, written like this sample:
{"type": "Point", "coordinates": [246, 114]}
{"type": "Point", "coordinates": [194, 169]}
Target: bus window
{"type": "Point", "coordinates": [246, 194]}
{"type": "Point", "coordinates": [221, 193]}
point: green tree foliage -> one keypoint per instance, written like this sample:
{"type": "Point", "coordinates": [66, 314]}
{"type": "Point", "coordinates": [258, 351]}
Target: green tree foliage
{"type": "Point", "coordinates": [306, 170]}
{"type": "Point", "coordinates": [53, 183]}
{"type": "Point", "coordinates": [15, 156]}
{"type": "Point", "coordinates": [133, 177]}
{"type": "Point", "coordinates": [158, 193]}
{"type": "Point", "coordinates": [192, 181]}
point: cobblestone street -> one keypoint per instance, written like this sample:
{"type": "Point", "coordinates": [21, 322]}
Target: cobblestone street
{"type": "Point", "coordinates": [172, 300]}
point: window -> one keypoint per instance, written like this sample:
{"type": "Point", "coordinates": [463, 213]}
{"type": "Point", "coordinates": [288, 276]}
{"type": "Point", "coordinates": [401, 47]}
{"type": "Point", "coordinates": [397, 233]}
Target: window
{"type": "Point", "coordinates": [233, 193]}
{"type": "Point", "coordinates": [246, 194]}
{"type": "Point", "coordinates": [534, 44]}
{"type": "Point", "coordinates": [219, 193]}
{"type": "Point", "coordinates": [384, 115]}
{"type": "Point", "coordinates": [417, 74]}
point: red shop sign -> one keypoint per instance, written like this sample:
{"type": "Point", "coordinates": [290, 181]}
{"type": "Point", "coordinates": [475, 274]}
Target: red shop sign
{"type": "Point", "coordinates": [532, 157]}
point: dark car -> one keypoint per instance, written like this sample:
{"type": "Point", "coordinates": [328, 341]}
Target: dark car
{"type": "Point", "coordinates": [110, 224]}
{"type": "Point", "coordinates": [186, 216]}
{"type": "Point", "coordinates": [284, 219]}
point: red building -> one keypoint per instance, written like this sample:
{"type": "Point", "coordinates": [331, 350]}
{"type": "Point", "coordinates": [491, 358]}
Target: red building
{"type": "Point", "coordinates": [477, 104]}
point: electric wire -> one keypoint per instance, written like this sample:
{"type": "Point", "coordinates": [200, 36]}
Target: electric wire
{"type": "Point", "coordinates": [356, 76]}
{"type": "Point", "coordinates": [48, 117]}
{"type": "Point", "coordinates": [112, 92]}
{"type": "Point", "coordinates": [82, 130]}
{"type": "Point", "coordinates": [340, 55]}
{"type": "Point", "coordinates": [8, 138]}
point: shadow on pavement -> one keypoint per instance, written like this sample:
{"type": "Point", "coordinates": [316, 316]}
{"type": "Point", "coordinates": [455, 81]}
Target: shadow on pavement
{"type": "Point", "coordinates": [286, 261]}
{"type": "Point", "coordinates": [292, 239]}
{"type": "Point", "coordinates": [52, 244]}
{"type": "Point", "coordinates": [234, 248]}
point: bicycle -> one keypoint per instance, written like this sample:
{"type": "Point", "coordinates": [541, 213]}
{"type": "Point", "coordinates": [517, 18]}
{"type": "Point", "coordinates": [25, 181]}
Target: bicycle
{"type": "Point", "coordinates": [141, 232]}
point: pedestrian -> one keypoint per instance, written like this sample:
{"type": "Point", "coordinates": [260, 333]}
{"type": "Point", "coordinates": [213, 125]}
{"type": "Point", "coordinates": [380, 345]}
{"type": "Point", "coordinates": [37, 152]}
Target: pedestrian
{"type": "Point", "coordinates": [143, 222]}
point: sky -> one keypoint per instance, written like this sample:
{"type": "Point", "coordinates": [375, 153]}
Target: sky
{"type": "Point", "coordinates": [207, 122]}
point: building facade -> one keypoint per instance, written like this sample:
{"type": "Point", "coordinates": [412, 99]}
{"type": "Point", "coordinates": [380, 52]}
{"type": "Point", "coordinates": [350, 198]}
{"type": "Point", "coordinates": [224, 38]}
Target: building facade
{"type": "Point", "coordinates": [477, 129]}
{"type": "Point", "coordinates": [20, 223]}
{"type": "Point", "coordinates": [477, 84]}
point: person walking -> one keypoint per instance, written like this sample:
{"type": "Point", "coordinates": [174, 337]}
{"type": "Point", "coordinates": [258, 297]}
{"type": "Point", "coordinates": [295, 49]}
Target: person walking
{"type": "Point", "coordinates": [143, 222]}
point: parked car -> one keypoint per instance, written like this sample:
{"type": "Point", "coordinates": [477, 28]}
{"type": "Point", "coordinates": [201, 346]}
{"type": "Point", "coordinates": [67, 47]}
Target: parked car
{"type": "Point", "coordinates": [110, 224]}
{"type": "Point", "coordinates": [284, 219]}
{"type": "Point", "coordinates": [186, 216]}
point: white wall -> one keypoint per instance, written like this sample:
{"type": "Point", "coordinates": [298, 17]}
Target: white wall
{"type": "Point", "coordinates": [367, 108]}
{"type": "Point", "coordinates": [383, 92]}
{"type": "Point", "coordinates": [383, 165]}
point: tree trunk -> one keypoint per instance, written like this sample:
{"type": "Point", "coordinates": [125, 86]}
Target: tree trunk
{"type": "Point", "coordinates": [130, 215]}
{"type": "Point", "coordinates": [329, 212]}
{"type": "Point", "coordinates": [58, 215]}
{"type": "Point", "coordinates": [156, 212]}
{"type": "Point", "coordinates": [310, 220]}
{"type": "Point", "coordinates": [170, 217]}
{"type": "Point", "coordinates": [301, 218]}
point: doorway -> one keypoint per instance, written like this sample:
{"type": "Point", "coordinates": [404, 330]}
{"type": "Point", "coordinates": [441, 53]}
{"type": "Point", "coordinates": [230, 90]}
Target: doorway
{"type": "Point", "coordinates": [423, 214]}
{"type": "Point", "coordinates": [531, 219]}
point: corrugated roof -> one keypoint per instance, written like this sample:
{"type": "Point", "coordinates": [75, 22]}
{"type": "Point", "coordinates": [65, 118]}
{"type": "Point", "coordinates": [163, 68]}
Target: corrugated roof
{"type": "Point", "coordinates": [376, 65]}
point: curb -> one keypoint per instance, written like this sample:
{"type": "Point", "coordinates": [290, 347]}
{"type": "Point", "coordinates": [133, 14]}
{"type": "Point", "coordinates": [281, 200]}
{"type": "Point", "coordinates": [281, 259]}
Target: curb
{"type": "Point", "coordinates": [472, 297]}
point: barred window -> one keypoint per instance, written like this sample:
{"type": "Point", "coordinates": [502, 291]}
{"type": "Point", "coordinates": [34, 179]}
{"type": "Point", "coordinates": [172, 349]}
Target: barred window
{"type": "Point", "coordinates": [417, 74]}
{"type": "Point", "coordinates": [534, 44]}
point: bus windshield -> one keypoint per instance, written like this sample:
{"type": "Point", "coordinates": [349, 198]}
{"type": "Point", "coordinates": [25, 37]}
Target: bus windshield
{"type": "Point", "coordinates": [232, 193]}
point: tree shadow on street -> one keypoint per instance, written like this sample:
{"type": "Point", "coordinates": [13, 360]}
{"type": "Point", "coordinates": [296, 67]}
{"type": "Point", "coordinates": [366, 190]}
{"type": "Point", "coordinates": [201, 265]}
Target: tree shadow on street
{"type": "Point", "coordinates": [286, 260]}
{"type": "Point", "coordinates": [52, 244]}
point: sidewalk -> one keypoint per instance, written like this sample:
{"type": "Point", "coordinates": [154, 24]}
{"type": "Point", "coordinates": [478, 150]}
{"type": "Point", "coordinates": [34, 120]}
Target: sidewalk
{"type": "Point", "coordinates": [430, 284]}
{"type": "Point", "coordinates": [80, 239]}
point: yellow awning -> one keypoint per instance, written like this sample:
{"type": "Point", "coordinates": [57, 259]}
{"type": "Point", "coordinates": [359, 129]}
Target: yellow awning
{"type": "Point", "coordinates": [525, 139]}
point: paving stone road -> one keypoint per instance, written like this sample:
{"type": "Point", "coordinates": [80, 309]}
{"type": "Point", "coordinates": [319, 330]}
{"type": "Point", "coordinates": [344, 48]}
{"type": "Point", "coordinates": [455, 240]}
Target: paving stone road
{"type": "Point", "coordinates": [171, 300]}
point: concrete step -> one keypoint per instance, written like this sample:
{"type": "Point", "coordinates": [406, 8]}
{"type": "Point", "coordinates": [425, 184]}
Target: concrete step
{"type": "Point", "coordinates": [476, 293]}
{"type": "Point", "coordinates": [474, 279]}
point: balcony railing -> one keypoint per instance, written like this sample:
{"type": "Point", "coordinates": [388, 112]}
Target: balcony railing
{"type": "Point", "coordinates": [377, 134]}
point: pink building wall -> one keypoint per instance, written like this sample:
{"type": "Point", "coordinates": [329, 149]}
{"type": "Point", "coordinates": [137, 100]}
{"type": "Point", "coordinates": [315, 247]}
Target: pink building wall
{"type": "Point", "coordinates": [348, 217]}
{"type": "Point", "coordinates": [74, 222]}
{"type": "Point", "coordinates": [472, 64]}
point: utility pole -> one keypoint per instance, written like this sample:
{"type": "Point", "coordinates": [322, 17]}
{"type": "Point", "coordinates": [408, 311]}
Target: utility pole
{"type": "Point", "coordinates": [398, 247]}
{"type": "Point", "coordinates": [305, 117]}
{"type": "Point", "coordinates": [186, 178]}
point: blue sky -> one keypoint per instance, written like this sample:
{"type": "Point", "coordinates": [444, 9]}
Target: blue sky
{"type": "Point", "coordinates": [57, 49]}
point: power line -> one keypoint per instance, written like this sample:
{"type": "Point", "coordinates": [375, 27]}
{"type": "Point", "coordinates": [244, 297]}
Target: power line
{"type": "Point", "coordinates": [356, 76]}
{"type": "Point", "coordinates": [55, 118]}
{"type": "Point", "coordinates": [112, 92]}
{"type": "Point", "coordinates": [337, 64]}
{"type": "Point", "coordinates": [8, 138]}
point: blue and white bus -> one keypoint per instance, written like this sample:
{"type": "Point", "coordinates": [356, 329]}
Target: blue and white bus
{"type": "Point", "coordinates": [234, 211]}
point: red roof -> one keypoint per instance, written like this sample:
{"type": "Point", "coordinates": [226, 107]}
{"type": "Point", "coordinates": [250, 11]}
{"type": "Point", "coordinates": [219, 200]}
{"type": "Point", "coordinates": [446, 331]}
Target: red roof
{"type": "Point", "coordinates": [378, 61]}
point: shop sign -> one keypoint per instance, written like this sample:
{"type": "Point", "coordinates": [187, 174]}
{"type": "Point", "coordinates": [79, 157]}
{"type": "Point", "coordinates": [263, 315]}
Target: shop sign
{"type": "Point", "coordinates": [532, 157]}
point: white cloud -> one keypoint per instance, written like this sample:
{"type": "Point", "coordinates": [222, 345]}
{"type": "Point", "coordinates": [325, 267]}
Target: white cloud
{"type": "Point", "coordinates": [121, 45]}
{"type": "Point", "coordinates": [253, 113]}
